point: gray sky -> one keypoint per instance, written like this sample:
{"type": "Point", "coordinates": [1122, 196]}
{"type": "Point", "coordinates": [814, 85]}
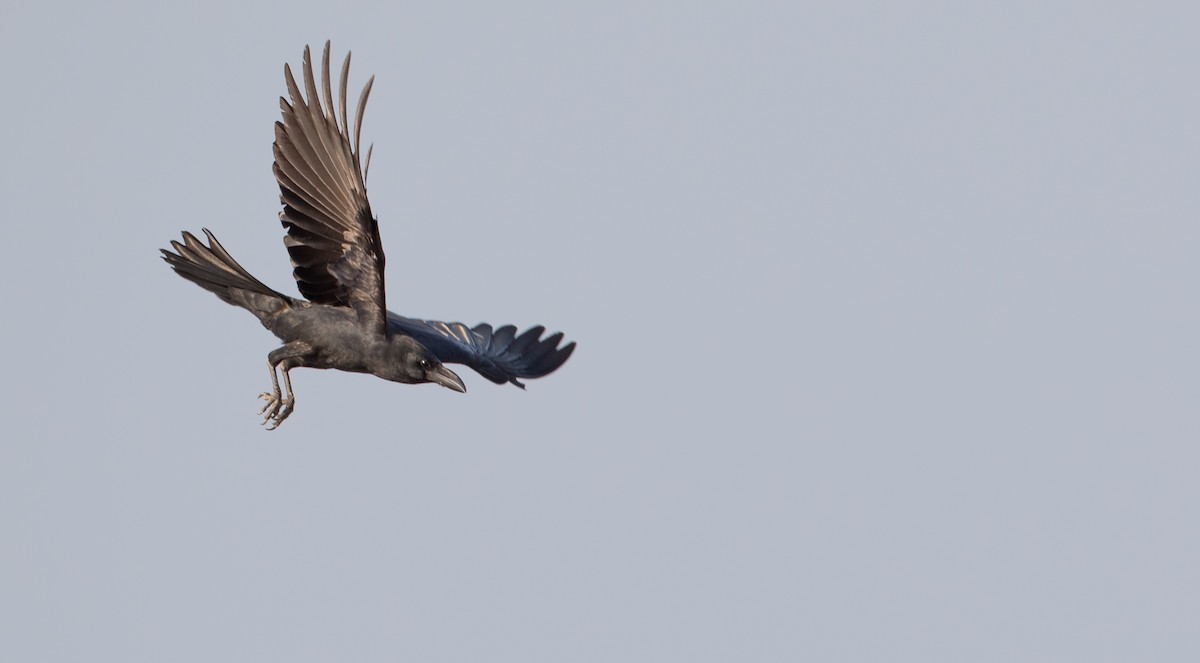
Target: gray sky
{"type": "Point", "coordinates": [886, 318]}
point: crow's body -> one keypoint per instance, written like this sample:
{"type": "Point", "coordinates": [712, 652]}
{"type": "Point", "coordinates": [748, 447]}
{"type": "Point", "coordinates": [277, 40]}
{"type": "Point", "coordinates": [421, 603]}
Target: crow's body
{"type": "Point", "coordinates": [334, 243]}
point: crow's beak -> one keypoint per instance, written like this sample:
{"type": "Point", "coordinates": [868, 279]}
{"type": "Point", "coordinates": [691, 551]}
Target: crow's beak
{"type": "Point", "coordinates": [445, 377]}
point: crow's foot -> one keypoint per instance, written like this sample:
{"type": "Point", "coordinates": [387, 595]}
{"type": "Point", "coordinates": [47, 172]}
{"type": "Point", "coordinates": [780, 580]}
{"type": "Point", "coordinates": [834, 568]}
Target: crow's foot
{"type": "Point", "coordinates": [276, 410]}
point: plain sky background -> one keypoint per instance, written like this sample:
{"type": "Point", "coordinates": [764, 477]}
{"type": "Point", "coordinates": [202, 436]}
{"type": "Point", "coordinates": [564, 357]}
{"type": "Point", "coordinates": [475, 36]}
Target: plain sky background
{"type": "Point", "coordinates": [886, 315]}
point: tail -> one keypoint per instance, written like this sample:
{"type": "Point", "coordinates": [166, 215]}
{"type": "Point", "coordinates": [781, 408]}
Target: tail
{"type": "Point", "coordinates": [212, 268]}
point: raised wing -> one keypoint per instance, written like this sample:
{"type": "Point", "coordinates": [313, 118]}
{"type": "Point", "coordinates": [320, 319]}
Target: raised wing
{"type": "Point", "coordinates": [500, 355]}
{"type": "Point", "coordinates": [332, 237]}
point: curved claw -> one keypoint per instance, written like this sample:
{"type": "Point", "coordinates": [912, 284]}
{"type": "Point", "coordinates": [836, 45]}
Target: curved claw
{"type": "Point", "coordinates": [276, 410]}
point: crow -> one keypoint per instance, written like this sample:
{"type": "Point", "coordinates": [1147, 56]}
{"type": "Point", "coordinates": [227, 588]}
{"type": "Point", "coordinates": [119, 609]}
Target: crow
{"type": "Point", "coordinates": [337, 258]}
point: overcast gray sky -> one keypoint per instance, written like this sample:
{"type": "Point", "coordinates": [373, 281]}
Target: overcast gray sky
{"type": "Point", "coordinates": [886, 316]}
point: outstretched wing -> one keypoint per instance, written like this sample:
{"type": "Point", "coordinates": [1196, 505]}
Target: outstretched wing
{"type": "Point", "coordinates": [331, 236]}
{"type": "Point", "coordinates": [500, 355]}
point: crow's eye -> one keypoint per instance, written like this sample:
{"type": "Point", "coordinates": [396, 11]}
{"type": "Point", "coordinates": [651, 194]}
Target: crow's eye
{"type": "Point", "coordinates": [424, 364]}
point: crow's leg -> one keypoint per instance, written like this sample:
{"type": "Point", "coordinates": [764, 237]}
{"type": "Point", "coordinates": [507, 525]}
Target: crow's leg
{"type": "Point", "coordinates": [280, 405]}
{"type": "Point", "coordinates": [289, 401]}
{"type": "Point", "coordinates": [272, 397]}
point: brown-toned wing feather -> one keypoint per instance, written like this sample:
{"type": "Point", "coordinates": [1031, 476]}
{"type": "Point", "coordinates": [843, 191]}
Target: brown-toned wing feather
{"type": "Point", "coordinates": [332, 237]}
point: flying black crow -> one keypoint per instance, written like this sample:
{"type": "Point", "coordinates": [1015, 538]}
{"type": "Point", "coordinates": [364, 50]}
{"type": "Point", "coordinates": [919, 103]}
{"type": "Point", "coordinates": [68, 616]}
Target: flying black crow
{"type": "Point", "coordinates": [333, 240]}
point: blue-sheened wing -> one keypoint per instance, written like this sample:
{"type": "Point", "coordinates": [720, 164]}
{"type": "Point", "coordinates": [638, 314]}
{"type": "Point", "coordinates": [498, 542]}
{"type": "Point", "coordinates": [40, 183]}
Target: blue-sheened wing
{"type": "Point", "coordinates": [332, 237]}
{"type": "Point", "coordinates": [500, 355]}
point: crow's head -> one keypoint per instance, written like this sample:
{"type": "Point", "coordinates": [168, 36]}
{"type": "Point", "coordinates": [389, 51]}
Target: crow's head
{"type": "Point", "coordinates": [412, 363]}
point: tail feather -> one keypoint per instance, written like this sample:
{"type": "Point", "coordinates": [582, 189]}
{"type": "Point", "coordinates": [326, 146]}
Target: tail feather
{"type": "Point", "coordinates": [212, 268]}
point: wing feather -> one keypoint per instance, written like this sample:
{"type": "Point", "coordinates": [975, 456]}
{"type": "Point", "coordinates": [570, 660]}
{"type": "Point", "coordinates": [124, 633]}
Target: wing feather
{"type": "Point", "coordinates": [499, 355]}
{"type": "Point", "coordinates": [332, 237]}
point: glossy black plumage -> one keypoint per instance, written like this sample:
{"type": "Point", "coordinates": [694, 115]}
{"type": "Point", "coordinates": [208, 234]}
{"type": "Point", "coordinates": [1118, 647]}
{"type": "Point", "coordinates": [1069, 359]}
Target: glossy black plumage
{"type": "Point", "coordinates": [500, 355]}
{"type": "Point", "coordinates": [338, 262]}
